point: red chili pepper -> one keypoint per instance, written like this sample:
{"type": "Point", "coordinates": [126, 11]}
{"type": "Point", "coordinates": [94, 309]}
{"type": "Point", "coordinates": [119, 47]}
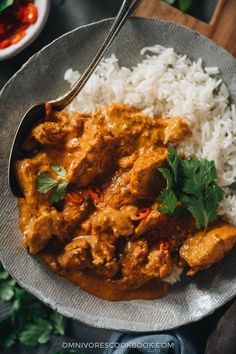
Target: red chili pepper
{"type": "Point", "coordinates": [22, 28]}
{"type": "Point", "coordinates": [17, 37]}
{"type": "Point", "coordinates": [141, 214]}
{"type": "Point", "coordinates": [30, 14]}
{"type": "Point", "coordinates": [166, 246]}
{"type": "Point", "coordinates": [76, 198]}
{"type": "Point", "coordinates": [5, 43]}
{"type": "Point", "coordinates": [95, 194]}
{"type": "Point", "coordinates": [15, 21]}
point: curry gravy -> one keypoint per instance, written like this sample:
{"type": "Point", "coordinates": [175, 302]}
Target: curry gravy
{"type": "Point", "coordinates": [112, 290]}
{"type": "Point", "coordinates": [103, 229]}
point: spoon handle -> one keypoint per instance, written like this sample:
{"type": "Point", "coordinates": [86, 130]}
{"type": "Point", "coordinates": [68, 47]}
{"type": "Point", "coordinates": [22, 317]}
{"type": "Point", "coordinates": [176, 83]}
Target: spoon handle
{"type": "Point", "coordinates": [127, 7]}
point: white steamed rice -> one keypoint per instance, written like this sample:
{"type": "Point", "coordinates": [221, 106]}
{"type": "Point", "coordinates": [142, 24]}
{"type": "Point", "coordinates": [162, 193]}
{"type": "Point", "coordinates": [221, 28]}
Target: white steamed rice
{"type": "Point", "coordinates": [168, 84]}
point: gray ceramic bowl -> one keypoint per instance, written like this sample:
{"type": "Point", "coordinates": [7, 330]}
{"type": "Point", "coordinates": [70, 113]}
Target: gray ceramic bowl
{"type": "Point", "coordinates": [41, 79]}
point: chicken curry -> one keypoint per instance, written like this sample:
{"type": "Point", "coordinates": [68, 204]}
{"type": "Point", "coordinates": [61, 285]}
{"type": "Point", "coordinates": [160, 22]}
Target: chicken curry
{"type": "Point", "coordinates": [92, 207]}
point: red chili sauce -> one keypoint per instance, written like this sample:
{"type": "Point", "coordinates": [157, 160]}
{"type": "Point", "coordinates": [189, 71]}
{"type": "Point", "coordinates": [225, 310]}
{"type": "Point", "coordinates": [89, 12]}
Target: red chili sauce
{"type": "Point", "coordinates": [15, 20]}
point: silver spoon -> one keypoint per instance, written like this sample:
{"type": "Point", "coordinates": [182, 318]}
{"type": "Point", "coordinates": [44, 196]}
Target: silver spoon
{"type": "Point", "coordinates": [36, 112]}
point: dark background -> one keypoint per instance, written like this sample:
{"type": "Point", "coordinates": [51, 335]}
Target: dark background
{"type": "Point", "coordinates": [66, 15]}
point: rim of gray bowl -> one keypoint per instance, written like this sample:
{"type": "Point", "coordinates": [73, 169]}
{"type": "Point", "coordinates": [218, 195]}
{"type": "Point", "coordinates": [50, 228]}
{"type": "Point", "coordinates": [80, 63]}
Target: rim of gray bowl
{"type": "Point", "coordinates": [91, 320]}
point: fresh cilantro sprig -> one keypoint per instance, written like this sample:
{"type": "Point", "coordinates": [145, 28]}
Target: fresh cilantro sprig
{"type": "Point", "coordinates": [190, 186]}
{"type": "Point", "coordinates": [45, 184]}
{"type": "Point", "coordinates": [183, 5]}
{"type": "Point", "coordinates": [27, 321]}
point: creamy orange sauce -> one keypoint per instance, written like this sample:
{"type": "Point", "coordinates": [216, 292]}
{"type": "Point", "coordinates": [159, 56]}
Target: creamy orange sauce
{"type": "Point", "coordinates": [106, 233]}
{"type": "Point", "coordinates": [113, 291]}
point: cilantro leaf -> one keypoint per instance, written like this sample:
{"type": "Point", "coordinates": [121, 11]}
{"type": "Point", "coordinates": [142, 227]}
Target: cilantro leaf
{"type": "Point", "coordinates": [3, 274]}
{"type": "Point", "coordinates": [167, 175]}
{"type": "Point", "coordinates": [36, 333]}
{"type": "Point", "coordinates": [27, 319]}
{"type": "Point", "coordinates": [195, 207]}
{"type": "Point", "coordinates": [59, 170]}
{"type": "Point", "coordinates": [169, 201]}
{"type": "Point", "coordinates": [45, 182]}
{"type": "Point", "coordinates": [58, 192]}
{"type": "Point", "coordinates": [59, 323]}
{"type": "Point", "coordinates": [197, 175]}
{"type": "Point", "coordinates": [213, 195]}
{"type": "Point", "coordinates": [184, 5]}
{"type": "Point", "coordinates": [173, 161]}
{"type": "Point", "coordinates": [7, 289]}
{"type": "Point", "coordinates": [192, 183]}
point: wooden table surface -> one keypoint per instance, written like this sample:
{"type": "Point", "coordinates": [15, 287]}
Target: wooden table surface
{"type": "Point", "coordinates": [221, 28]}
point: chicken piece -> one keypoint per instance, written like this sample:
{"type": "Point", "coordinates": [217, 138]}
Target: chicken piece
{"type": "Point", "coordinates": [77, 255]}
{"type": "Point", "coordinates": [26, 172]}
{"type": "Point", "coordinates": [145, 180]}
{"type": "Point", "coordinates": [127, 161]}
{"type": "Point", "coordinates": [117, 194]}
{"type": "Point", "coordinates": [49, 133]}
{"type": "Point", "coordinates": [109, 220]}
{"type": "Point", "coordinates": [134, 129]}
{"type": "Point", "coordinates": [94, 156]}
{"type": "Point", "coordinates": [177, 129]}
{"type": "Point", "coordinates": [73, 213]}
{"type": "Point", "coordinates": [90, 252]}
{"type": "Point", "coordinates": [134, 259]}
{"type": "Point", "coordinates": [208, 247]}
{"type": "Point", "coordinates": [41, 229]}
{"type": "Point", "coordinates": [159, 263]}
{"type": "Point", "coordinates": [152, 221]}
{"type": "Point", "coordinates": [103, 253]}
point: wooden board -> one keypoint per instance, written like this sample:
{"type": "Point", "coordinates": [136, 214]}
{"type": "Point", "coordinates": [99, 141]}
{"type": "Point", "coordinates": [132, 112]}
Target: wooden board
{"type": "Point", "coordinates": [221, 28]}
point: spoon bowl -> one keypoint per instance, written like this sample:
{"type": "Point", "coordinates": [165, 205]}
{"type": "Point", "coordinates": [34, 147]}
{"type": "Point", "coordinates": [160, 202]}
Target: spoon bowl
{"type": "Point", "coordinates": [37, 112]}
{"type": "Point", "coordinates": [33, 115]}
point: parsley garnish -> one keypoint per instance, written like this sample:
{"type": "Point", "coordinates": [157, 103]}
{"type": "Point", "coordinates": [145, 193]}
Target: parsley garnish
{"type": "Point", "coordinates": [27, 319]}
{"type": "Point", "coordinates": [183, 5]}
{"type": "Point", "coordinates": [59, 169]}
{"type": "Point", "coordinates": [45, 184]}
{"type": "Point", "coordinates": [190, 186]}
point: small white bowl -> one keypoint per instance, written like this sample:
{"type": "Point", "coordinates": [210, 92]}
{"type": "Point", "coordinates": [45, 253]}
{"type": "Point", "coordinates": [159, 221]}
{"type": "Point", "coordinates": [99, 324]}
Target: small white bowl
{"type": "Point", "coordinates": [31, 33]}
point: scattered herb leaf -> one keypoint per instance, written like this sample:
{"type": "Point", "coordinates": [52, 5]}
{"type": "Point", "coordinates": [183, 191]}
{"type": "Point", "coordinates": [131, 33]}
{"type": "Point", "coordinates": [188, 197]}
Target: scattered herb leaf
{"type": "Point", "coordinates": [183, 5]}
{"type": "Point", "coordinates": [45, 183]}
{"type": "Point", "coordinates": [167, 175]}
{"type": "Point", "coordinates": [174, 161]}
{"type": "Point", "coordinates": [59, 323]}
{"type": "Point", "coordinates": [36, 333]}
{"type": "Point", "coordinates": [169, 201]}
{"type": "Point", "coordinates": [28, 320]}
{"type": "Point", "coordinates": [59, 170]}
{"type": "Point", "coordinates": [58, 192]}
{"type": "Point", "coordinates": [192, 184]}
{"type": "Point", "coordinates": [7, 289]}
